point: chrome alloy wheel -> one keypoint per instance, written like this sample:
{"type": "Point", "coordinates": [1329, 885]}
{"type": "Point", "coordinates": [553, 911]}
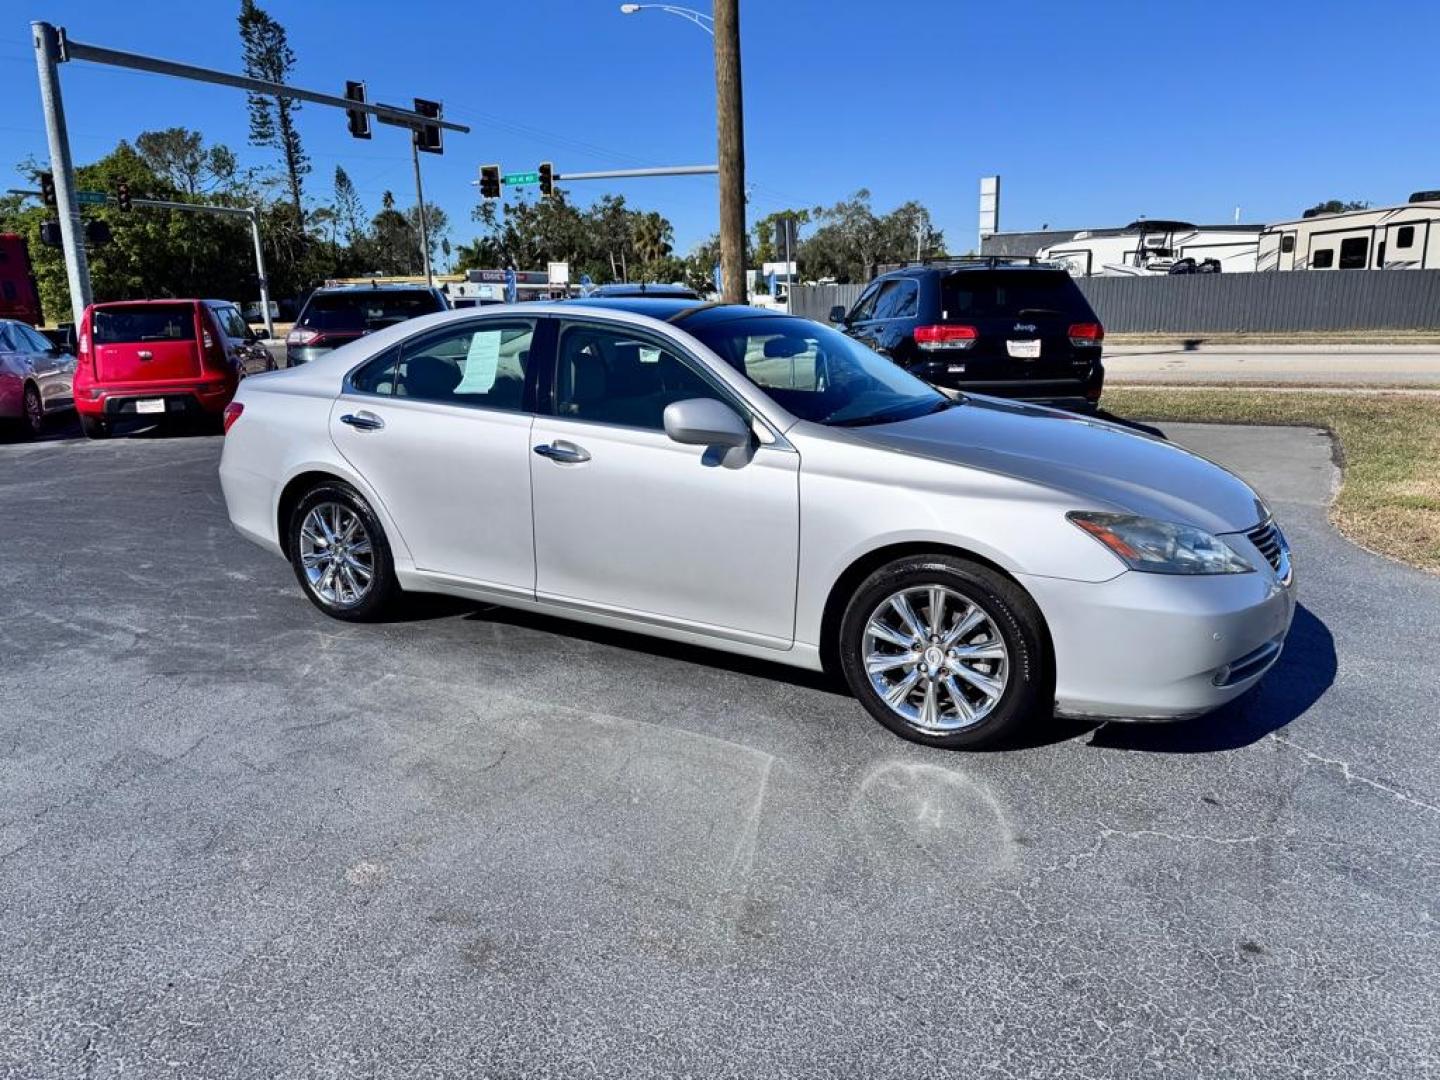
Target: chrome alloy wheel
{"type": "Point", "coordinates": [936, 658]}
{"type": "Point", "coordinates": [337, 554]}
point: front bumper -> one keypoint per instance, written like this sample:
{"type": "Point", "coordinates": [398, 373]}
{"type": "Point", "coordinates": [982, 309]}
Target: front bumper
{"type": "Point", "coordinates": [1160, 646]}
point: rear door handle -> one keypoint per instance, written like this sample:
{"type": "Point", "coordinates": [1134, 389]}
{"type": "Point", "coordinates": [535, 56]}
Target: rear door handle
{"type": "Point", "coordinates": [566, 452]}
{"type": "Point", "coordinates": [363, 421]}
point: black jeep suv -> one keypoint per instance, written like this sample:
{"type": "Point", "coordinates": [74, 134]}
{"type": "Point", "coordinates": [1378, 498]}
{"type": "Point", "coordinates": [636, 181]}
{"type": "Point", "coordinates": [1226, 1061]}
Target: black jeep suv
{"type": "Point", "coordinates": [336, 315]}
{"type": "Point", "coordinates": [992, 325]}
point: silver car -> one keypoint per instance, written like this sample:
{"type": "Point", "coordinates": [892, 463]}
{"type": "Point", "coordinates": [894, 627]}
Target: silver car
{"type": "Point", "coordinates": [35, 377]}
{"type": "Point", "coordinates": [765, 485]}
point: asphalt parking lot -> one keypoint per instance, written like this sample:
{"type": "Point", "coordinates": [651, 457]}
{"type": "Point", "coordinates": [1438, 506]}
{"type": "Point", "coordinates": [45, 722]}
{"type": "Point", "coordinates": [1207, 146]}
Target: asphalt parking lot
{"type": "Point", "coordinates": [240, 839]}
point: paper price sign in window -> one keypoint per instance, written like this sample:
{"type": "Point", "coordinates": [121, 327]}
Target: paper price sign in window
{"type": "Point", "coordinates": [482, 361]}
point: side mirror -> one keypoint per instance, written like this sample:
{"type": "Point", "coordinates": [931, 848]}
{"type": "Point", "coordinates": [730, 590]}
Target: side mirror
{"type": "Point", "coordinates": [705, 422]}
{"type": "Point", "coordinates": [837, 314]}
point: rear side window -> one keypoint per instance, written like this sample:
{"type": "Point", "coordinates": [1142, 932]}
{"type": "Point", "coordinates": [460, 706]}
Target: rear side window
{"type": "Point", "coordinates": [153, 322]}
{"type": "Point", "coordinates": [1010, 293]}
{"type": "Point", "coordinates": [898, 300]}
{"type": "Point", "coordinates": [367, 310]}
{"type": "Point", "coordinates": [480, 364]}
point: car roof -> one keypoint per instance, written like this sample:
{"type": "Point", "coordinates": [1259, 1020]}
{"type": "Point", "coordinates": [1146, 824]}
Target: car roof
{"type": "Point", "coordinates": [969, 266]}
{"type": "Point", "coordinates": [690, 314]}
{"type": "Point", "coordinates": [373, 286]}
{"type": "Point", "coordinates": [679, 292]}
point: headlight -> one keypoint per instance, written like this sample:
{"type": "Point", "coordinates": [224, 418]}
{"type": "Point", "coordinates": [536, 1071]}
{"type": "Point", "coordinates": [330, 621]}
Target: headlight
{"type": "Point", "coordinates": [1161, 547]}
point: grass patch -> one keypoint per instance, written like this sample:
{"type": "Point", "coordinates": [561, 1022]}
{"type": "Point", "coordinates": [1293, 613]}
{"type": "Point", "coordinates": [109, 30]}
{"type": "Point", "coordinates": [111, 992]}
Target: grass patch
{"type": "Point", "coordinates": [1390, 498]}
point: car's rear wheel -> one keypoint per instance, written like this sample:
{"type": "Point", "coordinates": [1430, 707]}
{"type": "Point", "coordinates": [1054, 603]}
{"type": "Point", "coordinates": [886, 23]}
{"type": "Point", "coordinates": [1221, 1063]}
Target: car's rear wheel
{"type": "Point", "coordinates": [340, 554]}
{"type": "Point", "coordinates": [95, 427]}
{"type": "Point", "coordinates": [34, 410]}
{"type": "Point", "coordinates": [946, 652]}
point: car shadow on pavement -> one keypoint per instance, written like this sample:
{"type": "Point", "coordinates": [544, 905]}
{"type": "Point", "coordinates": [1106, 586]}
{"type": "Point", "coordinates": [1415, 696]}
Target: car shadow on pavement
{"type": "Point", "coordinates": [1299, 678]}
{"type": "Point", "coordinates": [433, 606]}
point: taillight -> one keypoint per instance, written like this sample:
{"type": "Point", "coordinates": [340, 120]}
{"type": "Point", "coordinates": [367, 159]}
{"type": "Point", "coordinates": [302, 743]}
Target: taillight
{"type": "Point", "coordinates": [232, 413]}
{"type": "Point", "coordinates": [1086, 333]}
{"type": "Point", "coordinates": [301, 337]}
{"type": "Point", "coordinates": [931, 338]}
{"type": "Point", "coordinates": [82, 352]}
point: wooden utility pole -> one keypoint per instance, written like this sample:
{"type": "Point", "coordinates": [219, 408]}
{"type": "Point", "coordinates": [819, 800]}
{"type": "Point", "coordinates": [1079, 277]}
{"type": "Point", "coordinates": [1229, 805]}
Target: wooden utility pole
{"type": "Point", "coordinates": [730, 131]}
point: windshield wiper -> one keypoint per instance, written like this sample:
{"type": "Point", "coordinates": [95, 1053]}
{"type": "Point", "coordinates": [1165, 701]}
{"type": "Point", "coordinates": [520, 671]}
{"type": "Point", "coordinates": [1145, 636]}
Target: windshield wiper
{"type": "Point", "coordinates": [893, 416]}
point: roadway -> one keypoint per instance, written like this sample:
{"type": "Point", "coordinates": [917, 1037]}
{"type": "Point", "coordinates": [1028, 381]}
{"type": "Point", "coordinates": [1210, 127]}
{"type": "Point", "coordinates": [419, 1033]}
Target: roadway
{"type": "Point", "coordinates": [1300, 365]}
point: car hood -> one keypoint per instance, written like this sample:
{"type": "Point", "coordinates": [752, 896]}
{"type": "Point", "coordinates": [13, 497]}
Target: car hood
{"type": "Point", "coordinates": [1101, 465]}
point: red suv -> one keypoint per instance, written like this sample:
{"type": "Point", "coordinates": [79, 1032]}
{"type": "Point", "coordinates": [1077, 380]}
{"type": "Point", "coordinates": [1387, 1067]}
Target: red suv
{"type": "Point", "coordinates": [168, 359]}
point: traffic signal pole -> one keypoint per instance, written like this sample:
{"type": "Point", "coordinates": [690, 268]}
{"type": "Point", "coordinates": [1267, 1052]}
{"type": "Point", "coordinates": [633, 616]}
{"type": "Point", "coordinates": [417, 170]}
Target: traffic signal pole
{"type": "Point", "coordinates": [77, 270]}
{"type": "Point", "coordinates": [53, 47]}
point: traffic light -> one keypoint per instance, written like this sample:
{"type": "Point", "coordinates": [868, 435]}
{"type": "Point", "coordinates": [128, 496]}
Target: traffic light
{"type": "Point", "coordinates": [47, 188]}
{"type": "Point", "coordinates": [358, 119]}
{"type": "Point", "coordinates": [547, 179]}
{"type": "Point", "coordinates": [122, 194]}
{"type": "Point", "coordinates": [50, 234]}
{"type": "Point", "coordinates": [489, 181]}
{"type": "Point", "coordinates": [427, 137]}
{"type": "Point", "coordinates": [97, 233]}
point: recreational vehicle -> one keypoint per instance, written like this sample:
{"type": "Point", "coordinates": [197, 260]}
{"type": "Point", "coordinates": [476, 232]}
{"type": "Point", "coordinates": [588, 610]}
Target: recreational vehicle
{"type": "Point", "coordinates": [1147, 248]}
{"type": "Point", "coordinates": [1385, 238]}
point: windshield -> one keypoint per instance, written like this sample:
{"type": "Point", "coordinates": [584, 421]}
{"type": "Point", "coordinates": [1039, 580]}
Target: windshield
{"type": "Point", "coordinates": [817, 373]}
{"type": "Point", "coordinates": [372, 309]}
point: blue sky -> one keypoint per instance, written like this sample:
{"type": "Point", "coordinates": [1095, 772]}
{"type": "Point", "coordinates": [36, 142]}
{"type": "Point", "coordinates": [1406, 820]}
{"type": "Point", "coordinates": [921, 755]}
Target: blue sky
{"type": "Point", "coordinates": [1093, 113]}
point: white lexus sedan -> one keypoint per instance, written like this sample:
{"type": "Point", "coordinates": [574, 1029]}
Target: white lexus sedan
{"type": "Point", "coordinates": [764, 485]}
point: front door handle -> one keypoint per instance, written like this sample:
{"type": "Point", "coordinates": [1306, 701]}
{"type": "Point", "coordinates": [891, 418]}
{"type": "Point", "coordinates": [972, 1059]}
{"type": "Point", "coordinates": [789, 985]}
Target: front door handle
{"type": "Point", "coordinates": [363, 421]}
{"type": "Point", "coordinates": [566, 452]}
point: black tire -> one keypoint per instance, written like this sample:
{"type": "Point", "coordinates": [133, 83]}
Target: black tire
{"type": "Point", "coordinates": [34, 411]}
{"type": "Point", "coordinates": [95, 427]}
{"type": "Point", "coordinates": [382, 590]}
{"type": "Point", "coordinates": [1027, 698]}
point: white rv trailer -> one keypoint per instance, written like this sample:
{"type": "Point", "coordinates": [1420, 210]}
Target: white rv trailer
{"type": "Point", "coordinates": [1147, 248]}
{"type": "Point", "coordinates": [1385, 238]}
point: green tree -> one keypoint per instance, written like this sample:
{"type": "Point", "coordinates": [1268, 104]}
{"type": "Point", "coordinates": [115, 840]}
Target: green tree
{"type": "Point", "coordinates": [180, 157]}
{"type": "Point", "coordinates": [266, 54]}
{"type": "Point", "coordinates": [1335, 206]}
{"type": "Point", "coordinates": [349, 211]}
{"type": "Point", "coordinates": [851, 240]}
{"type": "Point", "coordinates": [767, 234]}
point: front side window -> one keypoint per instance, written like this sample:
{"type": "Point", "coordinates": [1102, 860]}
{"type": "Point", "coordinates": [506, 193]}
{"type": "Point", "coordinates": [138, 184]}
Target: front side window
{"type": "Point", "coordinates": [1405, 236]}
{"type": "Point", "coordinates": [865, 305]}
{"type": "Point", "coordinates": [817, 373]}
{"type": "Point", "coordinates": [1354, 253]}
{"type": "Point", "coordinates": [28, 339]}
{"type": "Point", "coordinates": [1323, 259]}
{"type": "Point", "coordinates": [478, 364]}
{"type": "Point", "coordinates": [608, 375]}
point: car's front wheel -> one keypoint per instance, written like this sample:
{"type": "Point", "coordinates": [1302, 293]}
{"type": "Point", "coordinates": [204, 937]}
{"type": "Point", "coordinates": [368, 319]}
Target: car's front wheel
{"type": "Point", "coordinates": [946, 652]}
{"type": "Point", "coordinates": [340, 554]}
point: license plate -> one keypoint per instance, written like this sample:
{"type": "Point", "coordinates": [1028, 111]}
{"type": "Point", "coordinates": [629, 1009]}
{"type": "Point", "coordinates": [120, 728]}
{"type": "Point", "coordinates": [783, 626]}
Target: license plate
{"type": "Point", "coordinates": [1024, 350]}
{"type": "Point", "coordinates": [150, 405]}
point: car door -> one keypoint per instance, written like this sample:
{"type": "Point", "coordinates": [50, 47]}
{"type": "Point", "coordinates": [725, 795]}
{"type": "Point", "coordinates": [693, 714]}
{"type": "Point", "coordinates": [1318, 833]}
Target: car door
{"type": "Point", "coordinates": [439, 426]}
{"type": "Point", "coordinates": [628, 521]}
{"type": "Point", "coordinates": [12, 381]}
{"type": "Point", "coordinates": [859, 323]}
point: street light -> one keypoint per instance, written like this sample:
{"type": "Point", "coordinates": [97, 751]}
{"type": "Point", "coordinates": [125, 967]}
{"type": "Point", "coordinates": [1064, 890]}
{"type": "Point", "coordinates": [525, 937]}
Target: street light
{"type": "Point", "coordinates": [699, 18]}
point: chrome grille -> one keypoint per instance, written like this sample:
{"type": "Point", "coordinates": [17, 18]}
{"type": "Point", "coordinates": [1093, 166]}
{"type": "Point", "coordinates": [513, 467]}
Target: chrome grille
{"type": "Point", "coordinates": [1268, 538]}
